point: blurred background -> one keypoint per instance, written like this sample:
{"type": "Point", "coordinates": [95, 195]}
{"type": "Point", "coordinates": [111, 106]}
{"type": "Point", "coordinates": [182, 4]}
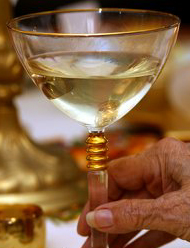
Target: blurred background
{"type": "Point", "coordinates": [174, 7]}
{"type": "Point", "coordinates": [34, 134]}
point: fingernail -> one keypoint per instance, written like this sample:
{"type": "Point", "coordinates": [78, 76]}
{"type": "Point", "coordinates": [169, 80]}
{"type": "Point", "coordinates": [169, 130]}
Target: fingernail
{"type": "Point", "coordinates": [100, 218]}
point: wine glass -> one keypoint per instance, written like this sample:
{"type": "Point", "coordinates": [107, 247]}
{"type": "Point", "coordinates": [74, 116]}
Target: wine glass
{"type": "Point", "coordinates": [95, 66]}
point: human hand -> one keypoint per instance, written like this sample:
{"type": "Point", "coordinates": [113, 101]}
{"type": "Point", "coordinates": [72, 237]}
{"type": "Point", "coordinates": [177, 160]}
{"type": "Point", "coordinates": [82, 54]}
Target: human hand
{"type": "Point", "coordinates": [150, 191]}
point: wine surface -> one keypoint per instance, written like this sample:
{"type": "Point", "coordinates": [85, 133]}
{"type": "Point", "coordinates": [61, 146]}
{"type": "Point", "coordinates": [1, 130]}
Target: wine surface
{"type": "Point", "coordinates": [94, 88]}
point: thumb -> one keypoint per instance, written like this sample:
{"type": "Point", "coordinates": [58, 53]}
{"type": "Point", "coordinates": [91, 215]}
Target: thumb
{"type": "Point", "coordinates": [164, 214]}
{"type": "Point", "coordinates": [122, 216]}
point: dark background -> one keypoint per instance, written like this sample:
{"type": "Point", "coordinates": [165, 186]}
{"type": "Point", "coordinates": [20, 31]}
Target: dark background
{"type": "Point", "coordinates": [179, 7]}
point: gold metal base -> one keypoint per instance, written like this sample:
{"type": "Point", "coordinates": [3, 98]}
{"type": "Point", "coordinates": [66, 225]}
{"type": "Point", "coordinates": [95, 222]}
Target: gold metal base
{"type": "Point", "coordinates": [33, 173]}
{"type": "Point", "coordinates": [51, 200]}
{"type": "Point", "coordinates": [29, 172]}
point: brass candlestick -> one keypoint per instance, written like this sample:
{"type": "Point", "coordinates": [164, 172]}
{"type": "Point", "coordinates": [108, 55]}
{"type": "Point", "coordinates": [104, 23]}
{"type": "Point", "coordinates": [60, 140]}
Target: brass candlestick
{"type": "Point", "coordinates": [29, 172]}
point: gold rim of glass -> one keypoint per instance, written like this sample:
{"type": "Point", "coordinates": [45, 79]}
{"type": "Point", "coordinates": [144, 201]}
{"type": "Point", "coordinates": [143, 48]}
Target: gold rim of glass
{"type": "Point", "coordinates": [11, 23]}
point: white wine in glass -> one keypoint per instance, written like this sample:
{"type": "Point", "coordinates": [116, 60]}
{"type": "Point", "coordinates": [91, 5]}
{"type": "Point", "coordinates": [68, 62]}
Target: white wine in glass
{"type": "Point", "coordinates": [97, 88]}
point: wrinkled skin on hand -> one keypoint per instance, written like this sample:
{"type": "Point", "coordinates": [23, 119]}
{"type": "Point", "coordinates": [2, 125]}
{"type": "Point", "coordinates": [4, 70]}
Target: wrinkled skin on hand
{"type": "Point", "coordinates": [150, 191]}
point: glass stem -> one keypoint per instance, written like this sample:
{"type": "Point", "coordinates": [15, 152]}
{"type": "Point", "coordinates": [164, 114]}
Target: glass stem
{"type": "Point", "coordinates": [97, 181]}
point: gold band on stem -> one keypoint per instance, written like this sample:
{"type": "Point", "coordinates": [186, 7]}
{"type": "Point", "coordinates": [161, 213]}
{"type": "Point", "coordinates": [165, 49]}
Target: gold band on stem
{"type": "Point", "coordinates": [97, 151]}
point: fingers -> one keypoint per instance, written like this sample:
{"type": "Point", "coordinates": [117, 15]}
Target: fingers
{"type": "Point", "coordinates": [161, 169]}
{"type": "Point", "coordinates": [83, 228]}
{"type": "Point", "coordinates": [169, 213]}
{"type": "Point", "coordinates": [174, 157]}
{"type": "Point", "coordinates": [126, 173]}
{"type": "Point", "coordinates": [151, 239]}
{"type": "Point", "coordinates": [133, 173]}
{"type": "Point", "coordinates": [122, 216]}
{"type": "Point", "coordinates": [152, 170]}
{"type": "Point", "coordinates": [114, 191]}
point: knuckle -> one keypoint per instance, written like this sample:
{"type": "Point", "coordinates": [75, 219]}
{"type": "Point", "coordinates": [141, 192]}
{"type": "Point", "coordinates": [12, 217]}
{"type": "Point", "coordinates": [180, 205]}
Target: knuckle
{"type": "Point", "coordinates": [118, 166]}
{"type": "Point", "coordinates": [178, 215]}
{"type": "Point", "coordinates": [169, 143]}
{"type": "Point", "coordinates": [130, 213]}
{"type": "Point", "coordinates": [113, 164]}
{"type": "Point", "coordinates": [170, 150]}
{"type": "Point", "coordinates": [124, 219]}
{"type": "Point", "coordinates": [130, 217]}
